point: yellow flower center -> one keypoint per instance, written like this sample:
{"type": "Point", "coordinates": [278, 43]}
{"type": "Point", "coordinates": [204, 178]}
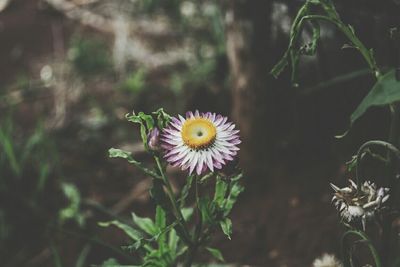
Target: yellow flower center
{"type": "Point", "coordinates": [198, 133]}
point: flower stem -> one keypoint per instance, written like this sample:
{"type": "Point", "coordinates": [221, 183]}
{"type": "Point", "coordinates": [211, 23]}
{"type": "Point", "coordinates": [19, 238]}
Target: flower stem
{"type": "Point", "coordinates": [347, 30]}
{"type": "Point", "coordinates": [367, 145]}
{"type": "Point", "coordinates": [394, 124]}
{"type": "Point", "coordinates": [176, 210]}
{"type": "Point", "coordinates": [365, 238]}
{"type": "Point", "coordinates": [386, 234]}
{"type": "Point", "coordinates": [199, 227]}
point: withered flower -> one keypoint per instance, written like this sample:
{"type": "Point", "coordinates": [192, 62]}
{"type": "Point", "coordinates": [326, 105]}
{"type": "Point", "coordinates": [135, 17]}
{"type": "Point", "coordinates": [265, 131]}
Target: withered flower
{"type": "Point", "coordinates": [359, 205]}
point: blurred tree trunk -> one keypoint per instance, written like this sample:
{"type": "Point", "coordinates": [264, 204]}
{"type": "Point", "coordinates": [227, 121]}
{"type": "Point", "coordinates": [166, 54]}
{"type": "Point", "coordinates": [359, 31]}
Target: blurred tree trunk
{"type": "Point", "coordinates": [247, 40]}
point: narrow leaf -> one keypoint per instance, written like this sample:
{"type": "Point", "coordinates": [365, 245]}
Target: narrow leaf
{"type": "Point", "coordinates": [132, 233]}
{"type": "Point", "coordinates": [163, 118]}
{"type": "Point", "coordinates": [226, 226]}
{"type": "Point", "coordinates": [187, 213]}
{"type": "Point", "coordinates": [221, 187]}
{"type": "Point", "coordinates": [173, 242]}
{"type": "Point", "coordinates": [145, 224]}
{"type": "Point", "coordinates": [118, 153]}
{"type": "Point", "coordinates": [215, 253]}
{"type": "Point", "coordinates": [280, 66]}
{"type": "Point", "coordinates": [231, 200]}
{"type": "Point", "coordinates": [160, 218]}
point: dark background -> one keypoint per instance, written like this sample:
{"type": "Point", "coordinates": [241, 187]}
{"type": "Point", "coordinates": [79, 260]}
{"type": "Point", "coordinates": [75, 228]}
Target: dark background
{"type": "Point", "coordinates": [70, 71]}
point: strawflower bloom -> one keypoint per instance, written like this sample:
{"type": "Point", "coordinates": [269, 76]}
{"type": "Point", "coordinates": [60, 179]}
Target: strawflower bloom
{"type": "Point", "coordinates": [362, 205]}
{"type": "Point", "coordinates": [327, 260]}
{"type": "Point", "coordinates": [200, 141]}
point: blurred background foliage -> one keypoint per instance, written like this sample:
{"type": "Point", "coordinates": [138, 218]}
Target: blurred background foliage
{"type": "Point", "coordinates": [71, 70]}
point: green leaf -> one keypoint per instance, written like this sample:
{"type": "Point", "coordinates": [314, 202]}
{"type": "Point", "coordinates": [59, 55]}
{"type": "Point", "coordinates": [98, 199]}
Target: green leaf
{"type": "Point", "coordinates": [226, 226]}
{"type": "Point", "coordinates": [146, 124]}
{"type": "Point", "coordinates": [145, 224]}
{"type": "Point", "coordinates": [351, 164]}
{"type": "Point", "coordinates": [351, 28]}
{"type": "Point", "coordinates": [311, 48]}
{"type": "Point", "coordinates": [182, 250]}
{"type": "Point", "coordinates": [132, 233]}
{"type": "Point", "coordinates": [215, 253]}
{"type": "Point", "coordinates": [142, 118]}
{"type": "Point", "coordinates": [386, 91]}
{"type": "Point", "coordinates": [221, 187]}
{"type": "Point", "coordinates": [185, 190]}
{"type": "Point", "coordinates": [7, 145]}
{"type": "Point", "coordinates": [280, 66]}
{"type": "Point", "coordinates": [160, 218]}
{"type": "Point", "coordinates": [114, 263]}
{"type": "Point", "coordinates": [80, 262]}
{"type": "Point", "coordinates": [206, 177]}
{"type": "Point", "coordinates": [173, 242]}
{"type": "Point", "coordinates": [118, 153]}
{"type": "Point", "coordinates": [207, 208]}
{"type": "Point", "coordinates": [56, 255]}
{"type": "Point", "coordinates": [163, 118]}
{"type": "Point", "coordinates": [110, 262]}
{"type": "Point", "coordinates": [187, 213]}
{"type": "Point", "coordinates": [294, 60]}
{"type": "Point", "coordinates": [72, 211]}
{"type": "Point", "coordinates": [231, 200]}
{"type": "Point", "coordinates": [292, 53]}
{"type": "Point", "coordinates": [160, 223]}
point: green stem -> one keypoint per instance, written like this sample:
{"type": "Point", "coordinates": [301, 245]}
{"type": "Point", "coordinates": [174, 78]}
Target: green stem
{"type": "Point", "coordinates": [198, 231]}
{"type": "Point", "coordinates": [365, 238]}
{"type": "Point", "coordinates": [386, 234]}
{"type": "Point", "coordinates": [176, 210]}
{"type": "Point", "coordinates": [333, 17]}
{"type": "Point", "coordinates": [347, 30]}
{"type": "Point", "coordinates": [364, 147]}
{"type": "Point", "coordinates": [395, 124]}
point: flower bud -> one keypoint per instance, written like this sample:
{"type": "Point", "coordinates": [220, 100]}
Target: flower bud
{"type": "Point", "coordinates": [153, 139]}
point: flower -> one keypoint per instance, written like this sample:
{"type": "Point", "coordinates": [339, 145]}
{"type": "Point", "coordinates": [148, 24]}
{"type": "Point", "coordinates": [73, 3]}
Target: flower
{"type": "Point", "coordinates": [153, 139]}
{"type": "Point", "coordinates": [200, 141]}
{"type": "Point", "coordinates": [353, 205]}
{"type": "Point", "coordinates": [327, 260]}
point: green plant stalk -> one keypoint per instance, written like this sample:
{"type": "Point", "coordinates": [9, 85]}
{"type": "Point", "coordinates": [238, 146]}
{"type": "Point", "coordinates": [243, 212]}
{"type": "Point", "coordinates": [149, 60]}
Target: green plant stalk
{"type": "Point", "coordinates": [170, 193]}
{"type": "Point", "coordinates": [393, 154]}
{"type": "Point", "coordinates": [333, 17]}
{"type": "Point", "coordinates": [367, 145]}
{"type": "Point", "coordinates": [394, 124]}
{"type": "Point", "coordinates": [394, 140]}
{"type": "Point", "coordinates": [330, 9]}
{"type": "Point", "coordinates": [394, 109]}
{"type": "Point", "coordinates": [365, 238]}
{"type": "Point", "coordinates": [346, 30]}
{"type": "Point", "coordinates": [198, 231]}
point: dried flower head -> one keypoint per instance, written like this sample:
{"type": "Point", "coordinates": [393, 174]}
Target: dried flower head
{"type": "Point", "coordinates": [361, 205]}
{"type": "Point", "coordinates": [200, 141]}
{"type": "Point", "coordinates": [327, 260]}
